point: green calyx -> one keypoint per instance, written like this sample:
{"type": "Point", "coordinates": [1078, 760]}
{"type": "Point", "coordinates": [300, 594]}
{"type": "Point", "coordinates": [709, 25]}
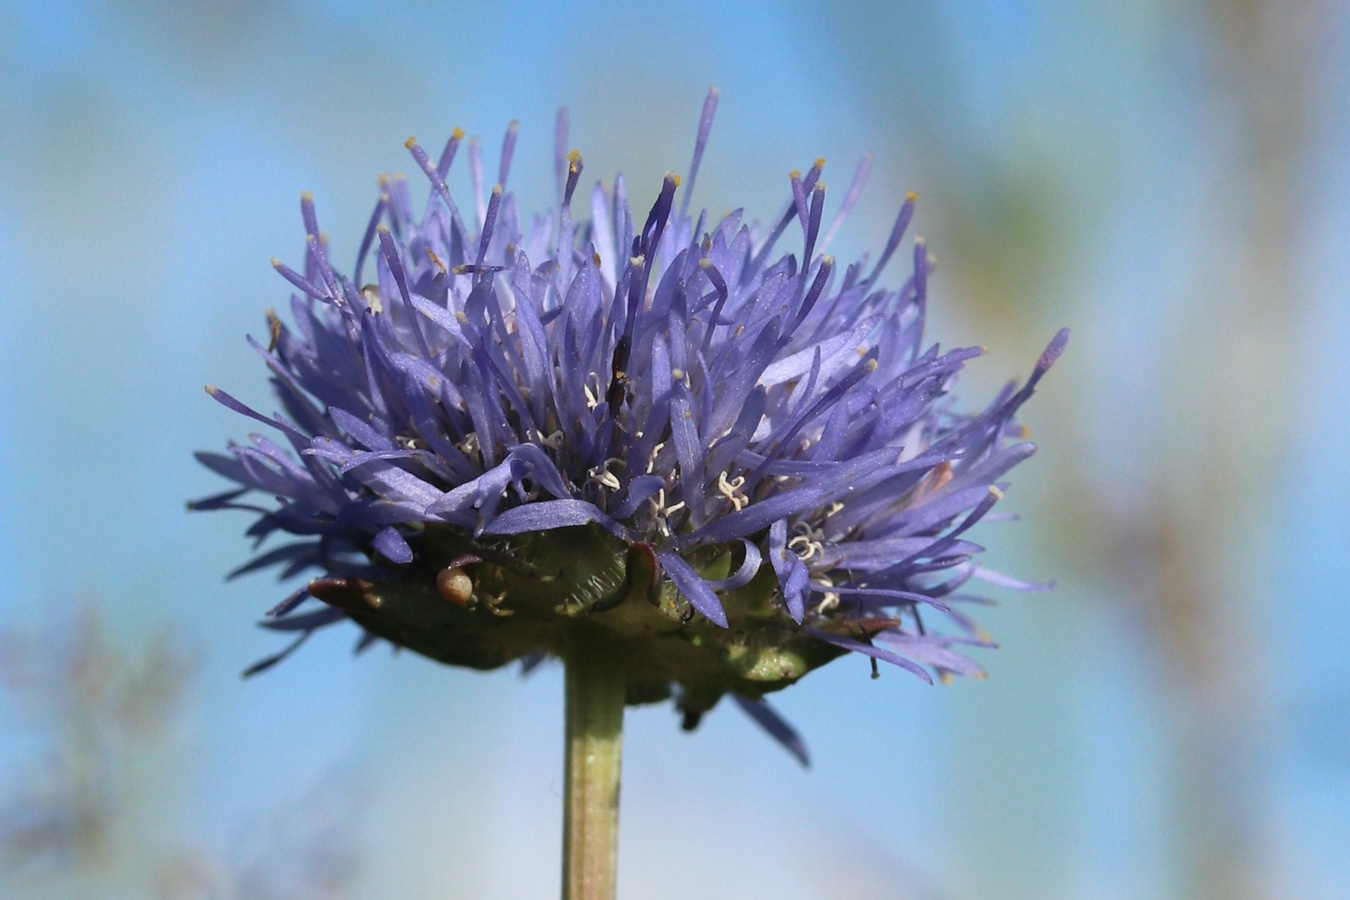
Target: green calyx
{"type": "Point", "coordinates": [482, 604]}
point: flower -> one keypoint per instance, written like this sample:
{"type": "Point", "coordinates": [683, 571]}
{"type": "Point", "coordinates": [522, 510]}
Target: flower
{"type": "Point", "coordinates": [736, 462]}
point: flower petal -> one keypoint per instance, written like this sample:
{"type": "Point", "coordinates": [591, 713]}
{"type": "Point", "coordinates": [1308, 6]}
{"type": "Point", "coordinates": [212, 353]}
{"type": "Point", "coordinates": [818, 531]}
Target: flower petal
{"type": "Point", "coordinates": [767, 718]}
{"type": "Point", "coordinates": [694, 588]}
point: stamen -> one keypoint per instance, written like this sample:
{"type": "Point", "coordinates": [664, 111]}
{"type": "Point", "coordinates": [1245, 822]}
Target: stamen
{"type": "Point", "coordinates": [731, 490]}
{"type": "Point", "coordinates": [602, 476]}
{"type": "Point", "coordinates": [656, 451]}
{"type": "Point", "coordinates": [830, 600]}
{"type": "Point", "coordinates": [592, 396]}
{"type": "Point", "coordinates": [554, 441]}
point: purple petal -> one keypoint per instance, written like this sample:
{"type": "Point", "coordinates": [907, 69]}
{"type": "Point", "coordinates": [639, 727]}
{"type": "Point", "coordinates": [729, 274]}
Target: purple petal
{"type": "Point", "coordinates": [1008, 581]}
{"type": "Point", "coordinates": [743, 575]}
{"type": "Point", "coordinates": [546, 515]}
{"type": "Point", "coordinates": [694, 588]}
{"type": "Point", "coordinates": [392, 545]}
{"type": "Point", "coordinates": [793, 576]}
{"type": "Point", "coordinates": [933, 653]}
{"type": "Point", "coordinates": [869, 650]}
{"type": "Point", "coordinates": [309, 621]}
{"type": "Point", "coordinates": [766, 717]}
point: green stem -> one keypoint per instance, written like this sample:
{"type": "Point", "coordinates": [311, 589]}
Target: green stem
{"type": "Point", "coordinates": [595, 698]}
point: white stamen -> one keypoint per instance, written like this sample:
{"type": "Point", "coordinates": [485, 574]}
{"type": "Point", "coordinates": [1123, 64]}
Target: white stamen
{"type": "Point", "coordinates": [554, 441]}
{"type": "Point", "coordinates": [830, 600]}
{"type": "Point", "coordinates": [651, 461]}
{"type": "Point", "coordinates": [731, 489]}
{"type": "Point", "coordinates": [602, 476]}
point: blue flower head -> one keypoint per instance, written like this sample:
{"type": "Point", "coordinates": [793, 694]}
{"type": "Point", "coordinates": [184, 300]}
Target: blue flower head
{"type": "Point", "coordinates": [704, 441]}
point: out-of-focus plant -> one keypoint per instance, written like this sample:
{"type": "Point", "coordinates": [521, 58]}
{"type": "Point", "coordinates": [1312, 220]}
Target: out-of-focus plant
{"type": "Point", "coordinates": [92, 809]}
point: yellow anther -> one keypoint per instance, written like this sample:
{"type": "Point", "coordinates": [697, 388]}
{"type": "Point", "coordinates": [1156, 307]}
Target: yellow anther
{"type": "Point", "coordinates": [436, 261]}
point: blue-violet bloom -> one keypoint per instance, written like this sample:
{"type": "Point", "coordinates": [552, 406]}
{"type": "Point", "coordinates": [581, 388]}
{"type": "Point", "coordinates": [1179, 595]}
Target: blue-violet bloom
{"type": "Point", "coordinates": [739, 463]}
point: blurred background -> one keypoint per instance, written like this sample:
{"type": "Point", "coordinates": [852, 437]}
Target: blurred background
{"type": "Point", "coordinates": [1169, 178]}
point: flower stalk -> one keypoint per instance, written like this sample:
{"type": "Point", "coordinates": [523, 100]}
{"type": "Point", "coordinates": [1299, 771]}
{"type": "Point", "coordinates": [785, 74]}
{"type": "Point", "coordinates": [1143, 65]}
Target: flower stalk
{"type": "Point", "coordinates": [594, 712]}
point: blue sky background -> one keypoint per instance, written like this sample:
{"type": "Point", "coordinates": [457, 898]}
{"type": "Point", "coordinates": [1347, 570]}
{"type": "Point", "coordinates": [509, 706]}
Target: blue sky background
{"type": "Point", "coordinates": [1079, 164]}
